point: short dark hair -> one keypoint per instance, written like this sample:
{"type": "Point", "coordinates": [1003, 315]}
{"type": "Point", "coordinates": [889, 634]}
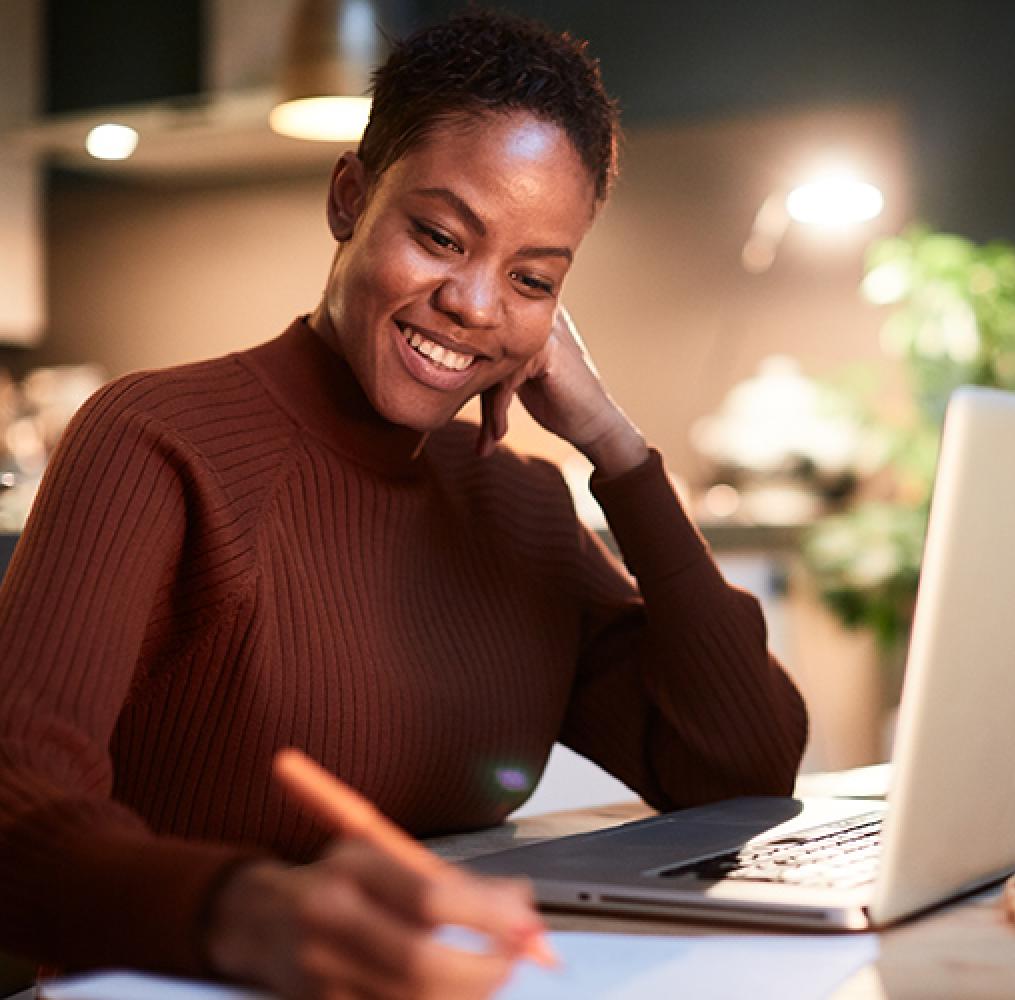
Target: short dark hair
{"type": "Point", "coordinates": [482, 61]}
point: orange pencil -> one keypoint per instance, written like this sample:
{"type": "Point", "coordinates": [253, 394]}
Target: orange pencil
{"type": "Point", "coordinates": [1009, 897]}
{"type": "Point", "coordinates": [348, 812]}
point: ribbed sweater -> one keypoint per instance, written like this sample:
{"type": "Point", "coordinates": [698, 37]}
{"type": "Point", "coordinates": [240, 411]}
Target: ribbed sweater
{"type": "Point", "coordinates": [239, 555]}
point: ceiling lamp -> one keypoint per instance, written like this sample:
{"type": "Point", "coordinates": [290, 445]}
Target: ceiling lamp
{"type": "Point", "coordinates": [111, 141]}
{"type": "Point", "coordinates": [333, 47]}
{"type": "Point", "coordinates": [836, 200]}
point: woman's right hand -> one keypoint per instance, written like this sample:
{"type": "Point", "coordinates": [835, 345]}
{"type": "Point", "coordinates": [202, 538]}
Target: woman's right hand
{"type": "Point", "coordinates": [358, 924]}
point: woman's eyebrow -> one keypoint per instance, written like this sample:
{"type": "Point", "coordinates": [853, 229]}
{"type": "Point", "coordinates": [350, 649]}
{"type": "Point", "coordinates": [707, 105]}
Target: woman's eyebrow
{"type": "Point", "coordinates": [472, 220]}
{"type": "Point", "coordinates": [475, 223]}
{"type": "Point", "coordinates": [531, 251]}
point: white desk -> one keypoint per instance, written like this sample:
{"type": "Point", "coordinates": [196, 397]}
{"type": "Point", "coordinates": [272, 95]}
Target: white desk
{"type": "Point", "coordinates": [965, 951]}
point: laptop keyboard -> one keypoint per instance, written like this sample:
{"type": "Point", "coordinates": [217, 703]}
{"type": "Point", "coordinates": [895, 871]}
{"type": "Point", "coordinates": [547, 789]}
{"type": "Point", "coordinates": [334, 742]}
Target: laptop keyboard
{"type": "Point", "coordinates": [838, 855]}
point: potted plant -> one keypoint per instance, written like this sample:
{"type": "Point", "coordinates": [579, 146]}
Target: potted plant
{"type": "Point", "coordinates": [952, 323]}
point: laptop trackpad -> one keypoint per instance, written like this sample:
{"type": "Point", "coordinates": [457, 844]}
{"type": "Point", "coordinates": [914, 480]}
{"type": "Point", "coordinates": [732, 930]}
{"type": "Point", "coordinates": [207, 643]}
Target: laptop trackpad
{"type": "Point", "coordinates": [649, 844]}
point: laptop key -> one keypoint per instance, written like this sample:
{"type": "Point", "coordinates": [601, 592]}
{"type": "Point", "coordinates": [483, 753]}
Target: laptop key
{"type": "Point", "coordinates": [838, 854]}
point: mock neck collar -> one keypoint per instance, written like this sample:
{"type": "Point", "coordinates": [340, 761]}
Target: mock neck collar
{"type": "Point", "coordinates": [316, 386]}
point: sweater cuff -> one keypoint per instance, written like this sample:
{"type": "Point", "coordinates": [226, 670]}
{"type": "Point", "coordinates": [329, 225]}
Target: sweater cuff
{"type": "Point", "coordinates": [100, 893]}
{"type": "Point", "coordinates": [159, 896]}
{"type": "Point", "coordinates": [647, 519]}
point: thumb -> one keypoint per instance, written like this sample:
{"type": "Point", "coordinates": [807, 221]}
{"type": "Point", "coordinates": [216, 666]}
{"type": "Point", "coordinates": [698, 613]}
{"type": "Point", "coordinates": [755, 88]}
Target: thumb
{"type": "Point", "coordinates": [485, 440]}
{"type": "Point", "coordinates": [494, 402]}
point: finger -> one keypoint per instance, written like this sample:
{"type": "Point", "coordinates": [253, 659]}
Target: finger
{"type": "Point", "coordinates": [494, 403]}
{"type": "Point", "coordinates": [330, 974]}
{"type": "Point", "coordinates": [351, 938]}
{"type": "Point", "coordinates": [501, 402]}
{"type": "Point", "coordinates": [568, 335]}
{"type": "Point", "coordinates": [500, 908]}
{"type": "Point", "coordinates": [381, 878]}
{"type": "Point", "coordinates": [442, 971]}
{"type": "Point", "coordinates": [563, 321]}
{"type": "Point", "coordinates": [360, 946]}
{"type": "Point", "coordinates": [511, 386]}
{"type": "Point", "coordinates": [486, 441]}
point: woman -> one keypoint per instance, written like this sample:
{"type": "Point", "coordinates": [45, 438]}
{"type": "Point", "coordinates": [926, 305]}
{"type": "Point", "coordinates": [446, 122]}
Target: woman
{"type": "Point", "coordinates": [298, 545]}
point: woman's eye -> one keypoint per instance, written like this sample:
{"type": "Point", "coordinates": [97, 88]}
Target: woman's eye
{"type": "Point", "coordinates": [533, 283]}
{"type": "Point", "coordinates": [436, 236]}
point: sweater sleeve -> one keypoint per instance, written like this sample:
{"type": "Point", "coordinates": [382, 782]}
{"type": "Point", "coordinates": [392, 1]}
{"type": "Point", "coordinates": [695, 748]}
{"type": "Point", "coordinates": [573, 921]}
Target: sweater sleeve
{"type": "Point", "coordinates": [676, 692]}
{"type": "Point", "coordinates": [85, 883]}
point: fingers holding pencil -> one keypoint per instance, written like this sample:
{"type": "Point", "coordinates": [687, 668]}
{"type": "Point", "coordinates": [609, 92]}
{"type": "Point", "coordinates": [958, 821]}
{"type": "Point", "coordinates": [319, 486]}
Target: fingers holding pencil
{"type": "Point", "coordinates": [351, 924]}
{"type": "Point", "coordinates": [377, 916]}
{"type": "Point", "coordinates": [500, 910]}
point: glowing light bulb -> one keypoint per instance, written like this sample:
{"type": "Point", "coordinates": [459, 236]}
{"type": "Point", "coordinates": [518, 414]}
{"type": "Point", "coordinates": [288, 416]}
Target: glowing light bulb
{"type": "Point", "coordinates": [111, 142]}
{"type": "Point", "coordinates": [835, 200]}
{"type": "Point", "coordinates": [322, 119]}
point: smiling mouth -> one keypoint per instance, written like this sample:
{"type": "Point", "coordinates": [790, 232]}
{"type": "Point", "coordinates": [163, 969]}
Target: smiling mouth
{"type": "Point", "coordinates": [434, 352]}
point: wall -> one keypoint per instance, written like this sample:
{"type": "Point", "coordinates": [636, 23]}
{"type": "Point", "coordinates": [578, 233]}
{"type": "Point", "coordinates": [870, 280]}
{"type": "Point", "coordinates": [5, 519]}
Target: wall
{"type": "Point", "coordinates": [948, 65]}
{"type": "Point", "coordinates": [22, 316]}
{"type": "Point", "coordinates": [145, 277]}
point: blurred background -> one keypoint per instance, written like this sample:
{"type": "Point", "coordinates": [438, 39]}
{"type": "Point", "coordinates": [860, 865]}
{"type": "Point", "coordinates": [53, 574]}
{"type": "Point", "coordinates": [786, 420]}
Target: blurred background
{"type": "Point", "coordinates": [731, 332]}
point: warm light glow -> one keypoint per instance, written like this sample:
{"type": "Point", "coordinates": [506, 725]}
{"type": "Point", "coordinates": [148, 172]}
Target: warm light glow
{"type": "Point", "coordinates": [111, 142]}
{"type": "Point", "coordinates": [835, 200]}
{"type": "Point", "coordinates": [885, 284]}
{"type": "Point", "coordinates": [323, 119]}
{"type": "Point", "coordinates": [721, 501]}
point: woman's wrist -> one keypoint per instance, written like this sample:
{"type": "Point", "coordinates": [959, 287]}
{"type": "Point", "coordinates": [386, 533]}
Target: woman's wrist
{"type": "Point", "coordinates": [617, 450]}
{"type": "Point", "coordinates": [240, 924]}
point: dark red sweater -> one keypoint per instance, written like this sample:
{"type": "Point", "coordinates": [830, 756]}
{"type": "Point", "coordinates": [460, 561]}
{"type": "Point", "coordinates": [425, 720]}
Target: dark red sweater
{"type": "Point", "coordinates": [240, 555]}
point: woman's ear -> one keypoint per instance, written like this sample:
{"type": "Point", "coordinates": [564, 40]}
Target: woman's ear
{"type": "Point", "coordinates": [346, 196]}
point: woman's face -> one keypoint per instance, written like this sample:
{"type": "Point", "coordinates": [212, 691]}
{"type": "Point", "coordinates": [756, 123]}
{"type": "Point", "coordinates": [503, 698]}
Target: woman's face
{"type": "Point", "coordinates": [452, 261]}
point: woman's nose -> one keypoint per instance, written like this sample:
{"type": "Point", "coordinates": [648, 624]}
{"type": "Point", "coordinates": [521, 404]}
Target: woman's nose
{"type": "Point", "coordinates": [471, 297]}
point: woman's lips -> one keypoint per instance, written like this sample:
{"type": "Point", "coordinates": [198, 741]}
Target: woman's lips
{"type": "Point", "coordinates": [430, 363]}
{"type": "Point", "coordinates": [429, 348]}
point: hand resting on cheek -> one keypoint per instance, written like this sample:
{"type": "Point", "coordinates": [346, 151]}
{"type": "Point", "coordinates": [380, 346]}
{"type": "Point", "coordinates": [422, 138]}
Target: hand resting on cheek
{"type": "Point", "coordinates": [562, 390]}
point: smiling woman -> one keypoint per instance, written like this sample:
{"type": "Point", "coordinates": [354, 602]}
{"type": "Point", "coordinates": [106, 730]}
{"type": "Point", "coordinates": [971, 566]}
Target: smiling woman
{"type": "Point", "coordinates": [451, 262]}
{"type": "Point", "coordinates": [299, 545]}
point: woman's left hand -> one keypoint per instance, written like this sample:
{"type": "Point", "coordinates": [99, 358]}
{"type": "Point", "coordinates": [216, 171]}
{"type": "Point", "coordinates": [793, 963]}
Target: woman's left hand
{"type": "Point", "coordinates": [562, 390]}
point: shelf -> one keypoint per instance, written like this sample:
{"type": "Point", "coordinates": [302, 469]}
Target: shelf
{"type": "Point", "coordinates": [203, 137]}
{"type": "Point", "coordinates": [732, 536]}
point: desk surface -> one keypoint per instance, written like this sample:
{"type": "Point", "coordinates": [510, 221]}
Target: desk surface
{"type": "Point", "coordinates": [965, 951]}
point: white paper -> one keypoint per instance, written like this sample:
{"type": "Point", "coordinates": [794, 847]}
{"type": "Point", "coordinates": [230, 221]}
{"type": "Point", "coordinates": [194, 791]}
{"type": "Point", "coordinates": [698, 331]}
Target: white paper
{"type": "Point", "coordinates": [722, 967]}
{"type": "Point", "coordinates": [597, 967]}
{"type": "Point", "coordinates": [138, 986]}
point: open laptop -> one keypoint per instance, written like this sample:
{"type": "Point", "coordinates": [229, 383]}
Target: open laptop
{"type": "Point", "coordinates": [948, 826]}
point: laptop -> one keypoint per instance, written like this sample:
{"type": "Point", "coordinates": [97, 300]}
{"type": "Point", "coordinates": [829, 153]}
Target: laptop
{"type": "Point", "coordinates": [948, 825]}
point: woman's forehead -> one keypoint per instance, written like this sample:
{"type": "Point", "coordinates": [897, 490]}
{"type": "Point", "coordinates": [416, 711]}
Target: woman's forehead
{"type": "Point", "coordinates": [512, 156]}
{"type": "Point", "coordinates": [481, 122]}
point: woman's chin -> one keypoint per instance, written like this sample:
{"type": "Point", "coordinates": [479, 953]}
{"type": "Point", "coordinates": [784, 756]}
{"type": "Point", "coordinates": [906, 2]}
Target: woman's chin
{"type": "Point", "coordinates": [423, 416]}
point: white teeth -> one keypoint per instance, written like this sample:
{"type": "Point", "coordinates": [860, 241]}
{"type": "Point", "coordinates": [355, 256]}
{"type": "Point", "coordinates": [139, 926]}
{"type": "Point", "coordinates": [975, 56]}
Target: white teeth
{"type": "Point", "coordinates": [435, 352]}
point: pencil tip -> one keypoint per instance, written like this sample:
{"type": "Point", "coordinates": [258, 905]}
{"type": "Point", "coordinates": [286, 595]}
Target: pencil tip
{"type": "Point", "coordinates": [542, 953]}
